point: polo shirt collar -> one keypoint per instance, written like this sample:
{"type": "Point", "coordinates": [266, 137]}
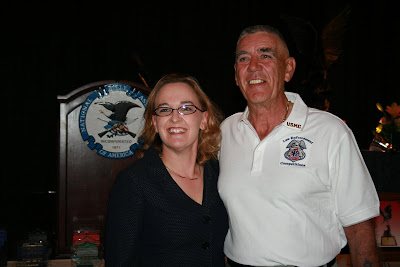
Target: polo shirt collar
{"type": "Point", "coordinates": [297, 117]}
{"type": "Point", "coordinates": [244, 117]}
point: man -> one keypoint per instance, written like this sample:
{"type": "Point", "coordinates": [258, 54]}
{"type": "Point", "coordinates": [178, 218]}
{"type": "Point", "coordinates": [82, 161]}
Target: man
{"type": "Point", "coordinates": [292, 178]}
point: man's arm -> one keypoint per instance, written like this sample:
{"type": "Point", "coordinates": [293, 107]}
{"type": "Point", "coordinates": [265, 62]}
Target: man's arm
{"type": "Point", "coordinates": [362, 244]}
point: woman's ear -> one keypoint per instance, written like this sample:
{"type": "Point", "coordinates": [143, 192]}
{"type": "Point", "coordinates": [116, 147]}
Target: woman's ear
{"type": "Point", "coordinates": [153, 119]}
{"type": "Point", "coordinates": [203, 124]}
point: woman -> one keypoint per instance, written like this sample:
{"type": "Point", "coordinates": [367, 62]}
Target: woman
{"type": "Point", "coordinates": [164, 209]}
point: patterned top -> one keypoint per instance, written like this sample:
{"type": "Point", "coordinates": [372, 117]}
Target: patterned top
{"type": "Point", "coordinates": [152, 222]}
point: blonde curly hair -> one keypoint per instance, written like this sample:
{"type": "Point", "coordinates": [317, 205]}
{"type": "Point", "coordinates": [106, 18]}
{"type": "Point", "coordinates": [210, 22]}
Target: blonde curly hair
{"type": "Point", "coordinates": [209, 138]}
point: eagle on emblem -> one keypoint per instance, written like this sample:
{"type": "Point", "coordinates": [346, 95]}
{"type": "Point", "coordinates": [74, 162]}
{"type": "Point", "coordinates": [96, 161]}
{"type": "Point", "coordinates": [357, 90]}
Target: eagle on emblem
{"type": "Point", "coordinates": [295, 151]}
{"type": "Point", "coordinates": [118, 118]}
{"type": "Point", "coordinates": [118, 110]}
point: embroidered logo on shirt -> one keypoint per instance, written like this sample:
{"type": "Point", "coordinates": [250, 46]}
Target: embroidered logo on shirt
{"type": "Point", "coordinates": [295, 151]}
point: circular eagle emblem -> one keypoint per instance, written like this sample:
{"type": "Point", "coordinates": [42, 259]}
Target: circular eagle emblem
{"type": "Point", "coordinates": [111, 119]}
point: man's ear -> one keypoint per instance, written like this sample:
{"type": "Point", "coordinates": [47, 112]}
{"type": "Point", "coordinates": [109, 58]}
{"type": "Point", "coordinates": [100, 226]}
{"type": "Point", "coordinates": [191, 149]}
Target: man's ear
{"type": "Point", "coordinates": [290, 67]}
{"type": "Point", "coordinates": [236, 79]}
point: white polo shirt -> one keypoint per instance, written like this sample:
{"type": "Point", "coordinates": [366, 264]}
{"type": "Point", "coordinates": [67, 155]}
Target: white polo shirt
{"type": "Point", "coordinates": [290, 195]}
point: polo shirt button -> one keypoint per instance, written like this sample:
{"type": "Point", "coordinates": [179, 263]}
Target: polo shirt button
{"type": "Point", "coordinates": [205, 245]}
{"type": "Point", "coordinates": [206, 219]}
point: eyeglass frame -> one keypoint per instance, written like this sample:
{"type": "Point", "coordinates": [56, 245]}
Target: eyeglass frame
{"type": "Point", "coordinates": [177, 109]}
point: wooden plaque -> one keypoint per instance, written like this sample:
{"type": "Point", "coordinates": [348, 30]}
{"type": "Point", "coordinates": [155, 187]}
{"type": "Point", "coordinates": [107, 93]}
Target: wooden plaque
{"type": "Point", "coordinates": [85, 174]}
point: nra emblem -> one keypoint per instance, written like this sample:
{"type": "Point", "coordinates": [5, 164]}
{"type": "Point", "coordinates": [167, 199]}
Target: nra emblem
{"type": "Point", "coordinates": [111, 119]}
{"type": "Point", "coordinates": [295, 151]}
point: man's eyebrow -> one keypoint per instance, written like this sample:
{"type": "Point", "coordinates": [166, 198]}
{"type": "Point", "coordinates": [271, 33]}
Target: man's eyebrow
{"type": "Point", "coordinates": [263, 50]}
{"type": "Point", "coordinates": [239, 53]}
{"type": "Point", "coordinates": [267, 50]}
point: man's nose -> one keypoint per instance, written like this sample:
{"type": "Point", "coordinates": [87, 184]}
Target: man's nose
{"type": "Point", "coordinates": [254, 65]}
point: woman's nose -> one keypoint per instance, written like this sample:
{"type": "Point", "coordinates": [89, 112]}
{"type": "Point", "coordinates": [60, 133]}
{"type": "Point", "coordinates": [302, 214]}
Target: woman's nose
{"type": "Point", "coordinates": [175, 115]}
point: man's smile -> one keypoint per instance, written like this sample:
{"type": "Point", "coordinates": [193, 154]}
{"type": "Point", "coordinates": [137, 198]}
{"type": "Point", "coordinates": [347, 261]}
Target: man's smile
{"type": "Point", "coordinates": [256, 81]}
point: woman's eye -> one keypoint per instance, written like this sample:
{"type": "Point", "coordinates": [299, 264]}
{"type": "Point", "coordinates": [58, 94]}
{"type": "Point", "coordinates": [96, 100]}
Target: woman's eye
{"type": "Point", "coordinates": [187, 108]}
{"type": "Point", "coordinates": [164, 110]}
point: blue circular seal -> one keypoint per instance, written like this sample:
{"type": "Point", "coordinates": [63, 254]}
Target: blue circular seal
{"type": "Point", "coordinates": [111, 118]}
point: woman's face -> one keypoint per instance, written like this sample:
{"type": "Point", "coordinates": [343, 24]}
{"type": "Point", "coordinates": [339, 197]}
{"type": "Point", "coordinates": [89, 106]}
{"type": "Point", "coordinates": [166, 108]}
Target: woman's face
{"type": "Point", "coordinates": [179, 132]}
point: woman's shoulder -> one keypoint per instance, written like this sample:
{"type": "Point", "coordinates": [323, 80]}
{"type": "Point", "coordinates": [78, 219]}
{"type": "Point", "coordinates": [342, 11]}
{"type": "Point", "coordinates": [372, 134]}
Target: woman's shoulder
{"type": "Point", "coordinates": [213, 164]}
{"type": "Point", "coordinates": [138, 169]}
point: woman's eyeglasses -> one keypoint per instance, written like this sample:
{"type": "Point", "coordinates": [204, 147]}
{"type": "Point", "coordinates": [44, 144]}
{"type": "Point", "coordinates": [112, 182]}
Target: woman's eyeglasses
{"type": "Point", "coordinates": [183, 110]}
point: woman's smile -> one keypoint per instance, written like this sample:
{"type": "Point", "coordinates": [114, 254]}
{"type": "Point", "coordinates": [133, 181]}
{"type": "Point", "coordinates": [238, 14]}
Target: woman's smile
{"type": "Point", "coordinates": [176, 130]}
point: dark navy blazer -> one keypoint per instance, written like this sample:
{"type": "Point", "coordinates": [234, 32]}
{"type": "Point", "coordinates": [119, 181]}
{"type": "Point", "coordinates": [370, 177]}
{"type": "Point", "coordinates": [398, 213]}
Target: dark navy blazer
{"type": "Point", "coordinates": [152, 222]}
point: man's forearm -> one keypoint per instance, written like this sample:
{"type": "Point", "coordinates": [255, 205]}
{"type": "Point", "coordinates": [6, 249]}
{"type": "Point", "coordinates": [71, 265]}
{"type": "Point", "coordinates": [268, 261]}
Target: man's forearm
{"type": "Point", "coordinates": [362, 244]}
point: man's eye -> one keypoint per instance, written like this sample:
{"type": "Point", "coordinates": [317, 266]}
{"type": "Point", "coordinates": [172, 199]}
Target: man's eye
{"type": "Point", "coordinates": [242, 59]}
{"type": "Point", "coordinates": [266, 56]}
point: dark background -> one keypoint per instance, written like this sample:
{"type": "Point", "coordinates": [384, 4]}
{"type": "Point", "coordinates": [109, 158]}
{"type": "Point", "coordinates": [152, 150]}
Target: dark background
{"type": "Point", "coordinates": [50, 49]}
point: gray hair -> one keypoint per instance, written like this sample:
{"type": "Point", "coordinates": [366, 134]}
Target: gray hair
{"type": "Point", "coordinates": [262, 28]}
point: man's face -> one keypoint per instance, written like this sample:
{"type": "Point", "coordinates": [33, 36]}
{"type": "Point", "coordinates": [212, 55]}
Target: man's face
{"type": "Point", "coordinates": [262, 66]}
